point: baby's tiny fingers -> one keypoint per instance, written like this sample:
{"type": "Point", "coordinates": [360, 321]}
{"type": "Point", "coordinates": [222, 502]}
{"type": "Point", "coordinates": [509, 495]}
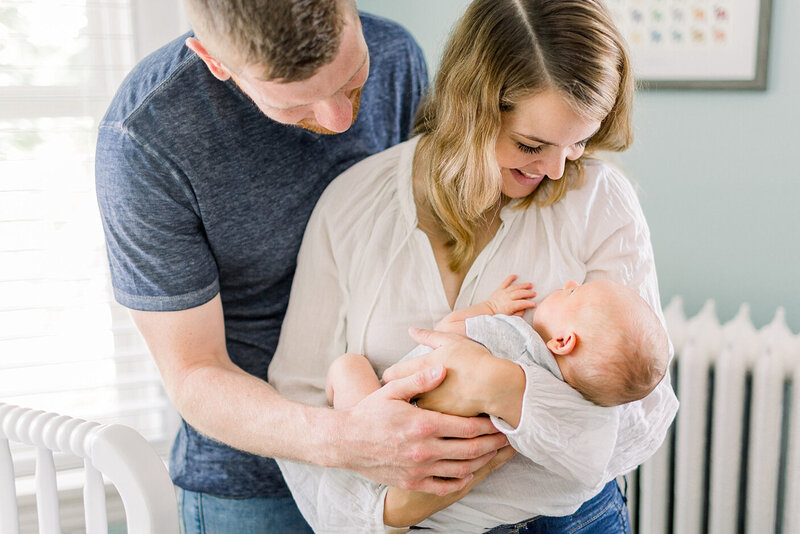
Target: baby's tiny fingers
{"type": "Point", "coordinates": [521, 285]}
{"type": "Point", "coordinates": [508, 281]}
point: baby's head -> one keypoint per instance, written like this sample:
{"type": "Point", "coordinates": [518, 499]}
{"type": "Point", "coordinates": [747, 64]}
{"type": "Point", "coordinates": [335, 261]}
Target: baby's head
{"type": "Point", "coordinates": [607, 341]}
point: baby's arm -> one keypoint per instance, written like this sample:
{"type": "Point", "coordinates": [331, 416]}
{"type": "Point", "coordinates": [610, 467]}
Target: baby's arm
{"type": "Point", "coordinates": [508, 299]}
{"type": "Point", "coordinates": [350, 379]}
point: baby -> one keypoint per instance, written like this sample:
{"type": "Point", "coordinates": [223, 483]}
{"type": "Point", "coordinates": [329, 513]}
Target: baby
{"type": "Point", "coordinates": [601, 338]}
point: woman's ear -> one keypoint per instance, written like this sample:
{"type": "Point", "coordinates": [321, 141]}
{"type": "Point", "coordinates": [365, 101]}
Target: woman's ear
{"type": "Point", "coordinates": [563, 345]}
{"type": "Point", "coordinates": [219, 70]}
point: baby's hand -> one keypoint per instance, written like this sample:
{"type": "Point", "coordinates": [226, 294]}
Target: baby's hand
{"type": "Point", "coordinates": [511, 298]}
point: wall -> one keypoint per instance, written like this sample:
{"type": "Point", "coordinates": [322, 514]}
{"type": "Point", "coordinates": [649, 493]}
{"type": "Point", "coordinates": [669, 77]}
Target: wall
{"type": "Point", "coordinates": [717, 178]}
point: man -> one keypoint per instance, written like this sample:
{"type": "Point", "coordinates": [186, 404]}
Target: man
{"type": "Point", "coordinates": [209, 162]}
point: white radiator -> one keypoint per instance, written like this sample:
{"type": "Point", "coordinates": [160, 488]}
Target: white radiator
{"type": "Point", "coordinates": [731, 463]}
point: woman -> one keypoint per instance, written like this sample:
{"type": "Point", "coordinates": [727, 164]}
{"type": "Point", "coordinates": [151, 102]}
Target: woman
{"type": "Point", "coordinates": [500, 181]}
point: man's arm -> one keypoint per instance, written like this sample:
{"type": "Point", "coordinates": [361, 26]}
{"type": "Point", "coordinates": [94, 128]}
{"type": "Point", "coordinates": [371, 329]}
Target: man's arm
{"type": "Point", "coordinates": [383, 437]}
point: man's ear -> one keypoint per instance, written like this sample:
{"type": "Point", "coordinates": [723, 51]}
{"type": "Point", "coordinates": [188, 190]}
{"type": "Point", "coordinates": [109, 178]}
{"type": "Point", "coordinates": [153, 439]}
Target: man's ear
{"type": "Point", "coordinates": [563, 345]}
{"type": "Point", "coordinates": [219, 70]}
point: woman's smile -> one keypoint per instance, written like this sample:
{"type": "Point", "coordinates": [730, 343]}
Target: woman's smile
{"type": "Point", "coordinates": [526, 179]}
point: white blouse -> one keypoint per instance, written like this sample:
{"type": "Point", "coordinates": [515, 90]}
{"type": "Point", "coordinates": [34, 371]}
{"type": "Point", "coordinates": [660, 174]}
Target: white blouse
{"type": "Point", "coordinates": [366, 273]}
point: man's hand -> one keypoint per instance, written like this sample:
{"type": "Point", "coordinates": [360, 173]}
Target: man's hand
{"type": "Point", "coordinates": [477, 382]}
{"type": "Point", "coordinates": [511, 298]}
{"type": "Point", "coordinates": [398, 444]}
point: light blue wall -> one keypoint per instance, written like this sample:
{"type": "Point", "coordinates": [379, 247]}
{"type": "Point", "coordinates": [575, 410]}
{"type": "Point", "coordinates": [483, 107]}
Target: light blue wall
{"type": "Point", "coordinates": [717, 172]}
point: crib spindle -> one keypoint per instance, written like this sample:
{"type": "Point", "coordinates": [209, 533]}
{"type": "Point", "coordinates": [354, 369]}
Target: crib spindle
{"type": "Point", "coordinates": [94, 499]}
{"type": "Point", "coordinates": [9, 520]}
{"type": "Point", "coordinates": [46, 492]}
{"type": "Point", "coordinates": [38, 428]}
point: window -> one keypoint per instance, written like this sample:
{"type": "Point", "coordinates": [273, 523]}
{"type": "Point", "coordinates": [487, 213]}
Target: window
{"type": "Point", "coordinates": [65, 345]}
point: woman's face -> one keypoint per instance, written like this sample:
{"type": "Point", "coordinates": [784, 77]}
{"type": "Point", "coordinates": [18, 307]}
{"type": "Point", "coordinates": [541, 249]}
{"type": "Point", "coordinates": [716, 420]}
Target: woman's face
{"type": "Point", "coordinates": [537, 138]}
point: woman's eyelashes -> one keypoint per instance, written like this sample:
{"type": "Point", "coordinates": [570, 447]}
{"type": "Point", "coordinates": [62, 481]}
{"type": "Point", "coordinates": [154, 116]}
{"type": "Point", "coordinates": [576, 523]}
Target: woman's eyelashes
{"type": "Point", "coordinates": [536, 149]}
{"type": "Point", "coordinates": [529, 149]}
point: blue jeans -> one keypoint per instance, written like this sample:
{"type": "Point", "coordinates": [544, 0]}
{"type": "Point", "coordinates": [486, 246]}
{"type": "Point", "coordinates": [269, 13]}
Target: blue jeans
{"type": "Point", "coordinates": [607, 513]}
{"type": "Point", "coordinates": [202, 513]}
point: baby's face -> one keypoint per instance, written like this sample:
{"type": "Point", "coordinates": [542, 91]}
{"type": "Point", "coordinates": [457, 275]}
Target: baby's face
{"type": "Point", "coordinates": [559, 311]}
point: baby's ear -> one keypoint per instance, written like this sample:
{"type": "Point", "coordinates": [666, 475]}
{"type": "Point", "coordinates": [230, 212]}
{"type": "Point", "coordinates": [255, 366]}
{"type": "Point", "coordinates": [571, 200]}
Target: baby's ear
{"type": "Point", "coordinates": [563, 345]}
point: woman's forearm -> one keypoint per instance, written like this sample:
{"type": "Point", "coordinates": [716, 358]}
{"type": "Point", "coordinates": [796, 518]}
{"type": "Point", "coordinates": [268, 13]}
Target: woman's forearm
{"type": "Point", "coordinates": [403, 508]}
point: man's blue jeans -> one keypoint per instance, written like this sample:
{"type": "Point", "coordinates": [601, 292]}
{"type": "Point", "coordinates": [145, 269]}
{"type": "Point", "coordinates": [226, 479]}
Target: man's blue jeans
{"type": "Point", "coordinates": [607, 513]}
{"type": "Point", "coordinates": [202, 513]}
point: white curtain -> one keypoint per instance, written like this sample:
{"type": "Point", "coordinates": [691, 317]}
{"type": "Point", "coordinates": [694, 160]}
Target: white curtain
{"type": "Point", "coordinates": [65, 345]}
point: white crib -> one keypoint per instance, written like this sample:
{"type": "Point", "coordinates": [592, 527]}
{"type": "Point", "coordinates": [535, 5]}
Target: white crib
{"type": "Point", "coordinates": [117, 452]}
{"type": "Point", "coordinates": [732, 461]}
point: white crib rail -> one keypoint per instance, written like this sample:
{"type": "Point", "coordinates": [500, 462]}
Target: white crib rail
{"type": "Point", "coordinates": [732, 463]}
{"type": "Point", "coordinates": [116, 451]}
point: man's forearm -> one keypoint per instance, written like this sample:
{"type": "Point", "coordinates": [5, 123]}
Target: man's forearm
{"type": "Point", "coordinates": [229, 405]}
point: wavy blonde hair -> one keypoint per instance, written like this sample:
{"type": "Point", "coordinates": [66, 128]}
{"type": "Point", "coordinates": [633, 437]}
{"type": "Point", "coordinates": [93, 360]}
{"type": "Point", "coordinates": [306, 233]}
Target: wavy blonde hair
{"type": "Point", "coordinates": [500, 53]}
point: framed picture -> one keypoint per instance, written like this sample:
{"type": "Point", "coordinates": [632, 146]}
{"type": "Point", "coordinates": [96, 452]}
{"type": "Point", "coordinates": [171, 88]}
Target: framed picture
{"type": "Point", "coordinates": [696, 44]}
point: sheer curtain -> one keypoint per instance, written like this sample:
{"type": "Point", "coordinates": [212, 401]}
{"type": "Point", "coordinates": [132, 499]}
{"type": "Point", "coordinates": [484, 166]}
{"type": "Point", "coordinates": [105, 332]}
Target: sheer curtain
{"type": "Point", "coordinates": [65, 345]}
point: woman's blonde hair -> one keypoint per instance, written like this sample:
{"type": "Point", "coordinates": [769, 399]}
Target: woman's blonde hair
{"type": "Point", "coordinates": [501, 52]}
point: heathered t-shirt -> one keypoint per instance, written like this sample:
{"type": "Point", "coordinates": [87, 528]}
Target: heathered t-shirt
{"type": "Point", "coordinates": [201, 194]}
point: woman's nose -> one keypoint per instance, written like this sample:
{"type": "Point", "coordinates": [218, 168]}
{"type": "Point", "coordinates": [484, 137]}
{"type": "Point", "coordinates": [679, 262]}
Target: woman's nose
{"type": "Point", "coordinates": [335, 113]}
{"type": "Point", "coordinates": [554, 165]}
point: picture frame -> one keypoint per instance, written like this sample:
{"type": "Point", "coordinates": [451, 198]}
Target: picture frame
{"type": "Point", "coordinates": [696, 44]}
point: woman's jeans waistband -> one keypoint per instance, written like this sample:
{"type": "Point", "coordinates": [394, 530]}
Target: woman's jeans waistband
{"type": "Point", "coordinates": [606, 513]}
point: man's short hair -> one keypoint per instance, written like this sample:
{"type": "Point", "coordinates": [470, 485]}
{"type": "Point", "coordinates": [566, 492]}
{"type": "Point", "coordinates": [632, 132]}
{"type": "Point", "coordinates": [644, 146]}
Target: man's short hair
{"type": "Point", "coordinates": [289, 39]}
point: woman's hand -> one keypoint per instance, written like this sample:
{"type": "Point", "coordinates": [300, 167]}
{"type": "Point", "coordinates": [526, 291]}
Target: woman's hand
{"type": "Point", "coordinates": [403, 508]}
{"type": "Point", "coordinates": [476, 383]}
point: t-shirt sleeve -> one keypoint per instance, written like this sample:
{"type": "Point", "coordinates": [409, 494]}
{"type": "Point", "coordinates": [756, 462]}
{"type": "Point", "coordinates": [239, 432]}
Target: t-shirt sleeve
{"type": "Point", "coordinates": [159, 257]}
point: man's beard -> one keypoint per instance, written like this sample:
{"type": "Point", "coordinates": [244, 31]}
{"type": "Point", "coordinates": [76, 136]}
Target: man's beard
{"type": "Point", "coordinates": [307, 124]}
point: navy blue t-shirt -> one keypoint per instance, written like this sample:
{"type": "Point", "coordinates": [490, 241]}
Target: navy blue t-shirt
{"type": "Point", "coordinates": [200, 193]}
